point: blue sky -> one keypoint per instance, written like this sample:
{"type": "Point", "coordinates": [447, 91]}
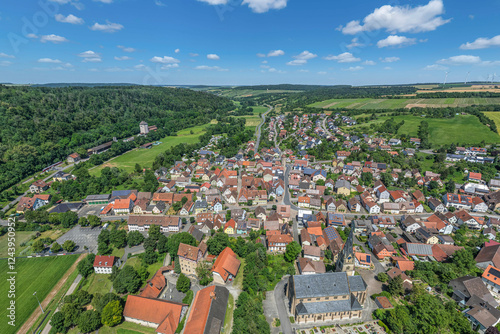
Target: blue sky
{"type": "Point", "coordinates": [235, 42]}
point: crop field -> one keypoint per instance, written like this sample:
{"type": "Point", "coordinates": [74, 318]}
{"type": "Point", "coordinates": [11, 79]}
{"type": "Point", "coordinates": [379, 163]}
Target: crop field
{"type": "Point", "coordinates": [402, 103]}
{"type": "Point", "coordinates": [461, 130]}
{"type": "Point", "coordinates": [33, 274]}
{"type": "Point", "coordinates": [21, 237]}
{"type": "Point", "coordinates": [145, 157]}
{"type": "Point", "coordinates": [494, 116]}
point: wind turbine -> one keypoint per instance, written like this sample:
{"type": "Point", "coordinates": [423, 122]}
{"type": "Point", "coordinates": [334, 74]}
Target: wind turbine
{"type": "Point", "coordinates": [466, 78]}
{"type": "Point", "coordinates": [445, 78]}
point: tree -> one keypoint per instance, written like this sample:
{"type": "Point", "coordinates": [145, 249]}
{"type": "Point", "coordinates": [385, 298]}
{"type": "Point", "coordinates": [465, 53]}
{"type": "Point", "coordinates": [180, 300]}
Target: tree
{"type": "Point", "coordinates": [176, 239]}
{"type": "Point", "coordinates": [80, 298]}
{"type": "Point", "coordinates": [100, 301]}
{"type": "Point", "coordinates": [86, 266]}
{"type": "Point", "coordinates": [112, 314]}
{"type": "Point", "coordinates": [395, 287]}
{"type": "Point", "coordinates": [154, 232]}
{"type": "Point", "coordinates": [162, 244]}
{"type": "Point", "coordinates": [103, 249]}
{"type": "Point", "coordinates": [138, 168]}
{"type": "Point", "coordinates": [38, 246]}
{"type": "Point", "coordinates": [55, 248]}
{"type": "Point", "coordinates": [492, 330]}
{"type": "Point", "coordinates": [383, 277]}
{"type": "Point", "coordinates": [89, 321]}
{"type": "Point", "coordinates": [217, 243]}
{"type": "Point", "coordinates": [69, 245]}
{"type": "Point", "coordinates": [183, 283]}
{"type": "Point", "coordinates": [71, 313]}
{"type": "Point", "coordinates": [177, 267]}
{"type": "Point", "coordinates": [118, 238]}
{"type": "Point", "coordinates": [57, 323]}
{"type": "Point", "coordinates": [204, 272]}
{"type": "Point", "coordinates": [83, 221]}
{"type": "Point", "coordinates": [134, 238]}
{"type": "Point", "coordinates": [293, 249]}
{"type": "Point", "coordinates": [94, 221]}
{"type": "Point", "coordinates": [149, 257]}
{"type": "Point", "coordinates": [103, 237]}
{"type": "Point", "coordinates": [450, 186]}
{"type": "Point", "coordinates": [69, 219]}
{"type": "Point", "coordinates": [127, 280]}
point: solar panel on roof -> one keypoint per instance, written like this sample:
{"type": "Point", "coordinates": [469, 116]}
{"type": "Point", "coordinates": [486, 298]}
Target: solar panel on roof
{"type": "Point", "coordinates": [368, 258]}
{"type": "Point", "coordinates": [495, 272]}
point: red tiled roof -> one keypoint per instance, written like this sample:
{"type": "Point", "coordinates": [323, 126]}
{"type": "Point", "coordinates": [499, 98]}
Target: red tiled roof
{"type": "Point", "coordinates": [188, 251]}
{"type": "Point", "coordinates": [226, 263]}
{"type": "Point", "coordinates": [104, 261]}
{"type": "Point", "coordinates": [198, 316]}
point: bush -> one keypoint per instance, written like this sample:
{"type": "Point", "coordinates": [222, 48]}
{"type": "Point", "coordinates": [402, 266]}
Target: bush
{"type": "Point", "coordinates": [188, 298]}
{"type": "Point", "coordinates": [183, 283]}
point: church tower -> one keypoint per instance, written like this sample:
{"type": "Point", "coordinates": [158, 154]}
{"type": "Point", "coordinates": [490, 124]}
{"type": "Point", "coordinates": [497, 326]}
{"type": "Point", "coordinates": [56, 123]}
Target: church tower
{"type": "Point", "coordinates": [143, 127]}
{"type": "Point", "coordinates": [345, 261]}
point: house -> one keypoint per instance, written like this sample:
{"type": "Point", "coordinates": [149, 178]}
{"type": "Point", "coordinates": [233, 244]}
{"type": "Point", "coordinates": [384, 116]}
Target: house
{"type": "Point", "coordinates": [427, 236]}
{"type": "Point", "coordinates": [395, 272]}
{"type": "Point", "coordinates": [478, 205]}
{"type": "Point", "coordinates": [457, 201]}
{"type": "Point", "coordinates": [310, 267]}
{"type": "Point", "coordinates": [343, 187]}
{"type": "Point", "coordinates": [156, 313]}
{"type": "Point", "coordinates": [354, 205]}
{"type": "Point", "coordinates": [482, 315]}
{"type": "Point", "coordinates": [208, 311]}
{"type": "Point", "coordinates": [73, 157]}
{"type": "Point", "coordinates": [372, 207]}
{"type": "Point", "coordinates": [38, 187]}
{"type": "Point", "coordinates": [104, 264]}
{"type": "Point", "coordinates": [325, 297]}
{"type": "Point", "coordinates": [144, 222]}
{"type": "Point", "coordinates": [190, 256]}
{"type": "Point", "coordinates": [466, 287]}
{"type": "Point", "coordinates": [491, 277]}
{"type": "Point", "coordinates": [488, 255]}
{"type": "Point", "coordinates": [156, 284]}
{"type": "Point", "coordinates": [32, 203]}
{"type": "Point", "coordinates": [362, 260]}
{"type": "Point", "coordinates": [418, 196]}
{"type": "Point", "coordinates": [276, 243]}
{"type": "Point", "coordinates": [436, 205]}
{"type": "Point", "coordinates": [336, 219]}
{"type": "Point", "coordinates": [230, 227]}
{"type": "Point", "coordinates": [493, 200]}
{"type": "Point", "coordinates": [226, 266]}
{"type": "Point", "coordinates": [312, 252]}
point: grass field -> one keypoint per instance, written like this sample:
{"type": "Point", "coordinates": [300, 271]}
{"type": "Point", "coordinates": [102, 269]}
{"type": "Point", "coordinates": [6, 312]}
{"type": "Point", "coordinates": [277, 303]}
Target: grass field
{"type": "Point", "coordinates": [145, 157]}
{"type": "Point", "coordinates": [34, 274]}
{"type": "Point", "coordinates": [21, 237]}
{"type": "Point", "coordinates": [461, 130]}
{"type": "Point", "coordinates": [98, 283]}
{"type": "Point", "coordinates": [402, 103]}
{"type": "Point", "coordinates": [228, 318]}
{"type": "Point", "coordinates": [495, 117]}
{"type": "Point", "coordinates": [123, 328]}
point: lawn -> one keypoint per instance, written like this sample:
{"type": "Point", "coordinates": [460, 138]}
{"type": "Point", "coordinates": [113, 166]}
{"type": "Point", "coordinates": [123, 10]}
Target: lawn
{"type": "Point", "coordinates": [401, 103]}
{"type": "Point", "coordinates": [123, 328]}
{"type": "Point", "coordinates": [21, 237]}
{"type": "Point", "coordinates": [97, 283]}
{"type": "Point", "coordinates": [461, 130]}
{"type": "Point", "coordinates": [145, 157]}
{"type": "Point", "coordinates": [238, 280]}
{"type": "Point", "coordinates": [33, 274]}
{"type": "Point", "coordinates": [229, 314]}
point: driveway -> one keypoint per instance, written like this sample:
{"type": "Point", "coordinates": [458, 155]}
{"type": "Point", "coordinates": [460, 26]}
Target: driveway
{"type": "Point", "coordinates": [282, 305]}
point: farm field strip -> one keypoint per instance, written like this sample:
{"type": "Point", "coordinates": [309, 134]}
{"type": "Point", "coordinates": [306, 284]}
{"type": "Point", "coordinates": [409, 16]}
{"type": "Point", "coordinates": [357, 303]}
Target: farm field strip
{"type": "Point", "coordinates": [402, 103]}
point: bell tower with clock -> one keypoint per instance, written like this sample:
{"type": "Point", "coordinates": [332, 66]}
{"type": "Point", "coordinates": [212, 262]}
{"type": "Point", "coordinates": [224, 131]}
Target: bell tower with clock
{"type": "Point", "coordinates": [345, 261]}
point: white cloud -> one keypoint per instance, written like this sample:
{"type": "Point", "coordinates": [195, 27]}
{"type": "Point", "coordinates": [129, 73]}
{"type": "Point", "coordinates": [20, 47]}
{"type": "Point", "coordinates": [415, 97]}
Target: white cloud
{"type": "Point", "coordinates": [53, 39]}
{"type": "Point", "coordinates": [275, 53]}
{"type": "Point", "coordinates": [353, 68]}
{"type": "Point", "coordinates": [401, 19]}
{"type": "Point", "coordinates": [262, 6]}
{"type": "Point", "coordinates": [140, 67]}
{"type": "Point", "coordinates": [215, 2]}
{"type": "Point", "coordinates": [93, 70]}
{"type": "Point", "coordinates": [345, 57]}
{"type": "Point", "coordinates": [297, 62]}
{"type": "Point", "coordinates": [117, 69]}
{"type": "Point", "coordinates": [126, 49]}
{"type": "Point", "coordinates": [273, 70]}
{"type": "Point", "coordinates": [123, 58]}
{"type": "Point", "coordinates": [169, 66]}
{"type": "Point", "coordinates": [303, 71]}
{"type": "Point", "coordinates": [265, 66]}
{"type": "Point", "coordinates": [305, 55]}
{"type": "Point", "coordinates": [322, 73]}
{"type": "Point", "coordinates": [194, 54]}
{"type": "Point", "coordinates": [387, 68]}
{"type": "Point", "coordinates": [211, 68]}
{"type": "Point", "coordinates": [481, 43]}
{"type": "Point", "coordinates": [435, 67]}
{"type": "Point", "coordinates": [369, 62]}
{"type": "Point", "coordinates": [4, 55]}
{"type": "Point", "coordinates": [213, 56]}
{"type": "Point", "coordinates": [396, 41]}
{"type": "Point", "coordinates": [264, 62]}
{"type": "Point", "coordinates": [90, 57]}
{"type": "Point", "coordinates": [355, 43]}
{"type": "Point", "coordinates": [104, 1]}
{"type": "Point", "coordinates": [389, 59]}
{"type": "Point", "coordinates": [460, 60]}
{"type": "Point", "coordinates": [5, 63]}
{"type": "Point", "coordinates": [177, 50]}
{"type": "Point", "coordinates": [68, 19]}
{"type": "Point", "coordinates": [164, 60]}
{"type": "Point", "coordinates": [108, 27]}
{"type": "Point", "coordinates": [49, 60]}
{"type": "Point", "coordinates": [31, 36]}
{"type": "Point", "coordinates": [159, 3]}
{"type": "Point", "coordinates": [261, 55]}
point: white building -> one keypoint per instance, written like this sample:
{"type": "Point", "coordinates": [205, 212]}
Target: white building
{"type": "Point", "coordinates": [104, 264]}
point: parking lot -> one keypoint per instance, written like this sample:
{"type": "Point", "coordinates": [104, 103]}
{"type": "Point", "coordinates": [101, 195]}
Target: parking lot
{"type": "Point", "coordinates": [87, 210]}
{"type": "Point", "coordinates": [82, 236]}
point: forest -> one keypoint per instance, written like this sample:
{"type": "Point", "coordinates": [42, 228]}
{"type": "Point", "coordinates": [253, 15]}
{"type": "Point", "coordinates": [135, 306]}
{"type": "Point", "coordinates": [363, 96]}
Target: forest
{"type": "Point", "coordinates": [40, 125]}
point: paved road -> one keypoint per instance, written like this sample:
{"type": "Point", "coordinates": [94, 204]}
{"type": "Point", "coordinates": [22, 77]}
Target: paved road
{"type": "Point", "coordinates": [257, 131]}
{"type": "Point", "coordinates": [325, 128]}
{"type": "Point", "coordinates": [279, 298]}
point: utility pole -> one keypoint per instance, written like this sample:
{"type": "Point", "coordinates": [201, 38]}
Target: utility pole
{"type": "Point", "coordinates": [34, 294]}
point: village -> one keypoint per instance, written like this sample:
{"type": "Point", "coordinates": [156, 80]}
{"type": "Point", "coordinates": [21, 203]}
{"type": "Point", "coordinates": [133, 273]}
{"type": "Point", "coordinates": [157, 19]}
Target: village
{"type": "Point", "coordinates": [348, 236]}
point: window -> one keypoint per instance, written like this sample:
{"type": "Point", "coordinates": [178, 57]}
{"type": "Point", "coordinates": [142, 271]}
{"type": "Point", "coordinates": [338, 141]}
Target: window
{"type": "Point", "coordinates": [318, 298]}
{"type": "Point", "coordinates": [309, 299]}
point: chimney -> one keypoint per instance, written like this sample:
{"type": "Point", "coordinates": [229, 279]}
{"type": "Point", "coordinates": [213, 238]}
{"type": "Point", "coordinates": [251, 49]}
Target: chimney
{"type": "Point", "coordinates": [212, 296]}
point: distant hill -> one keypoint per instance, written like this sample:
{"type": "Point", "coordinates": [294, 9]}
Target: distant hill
{"type": "Point", "coordinates": [76, 84]}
